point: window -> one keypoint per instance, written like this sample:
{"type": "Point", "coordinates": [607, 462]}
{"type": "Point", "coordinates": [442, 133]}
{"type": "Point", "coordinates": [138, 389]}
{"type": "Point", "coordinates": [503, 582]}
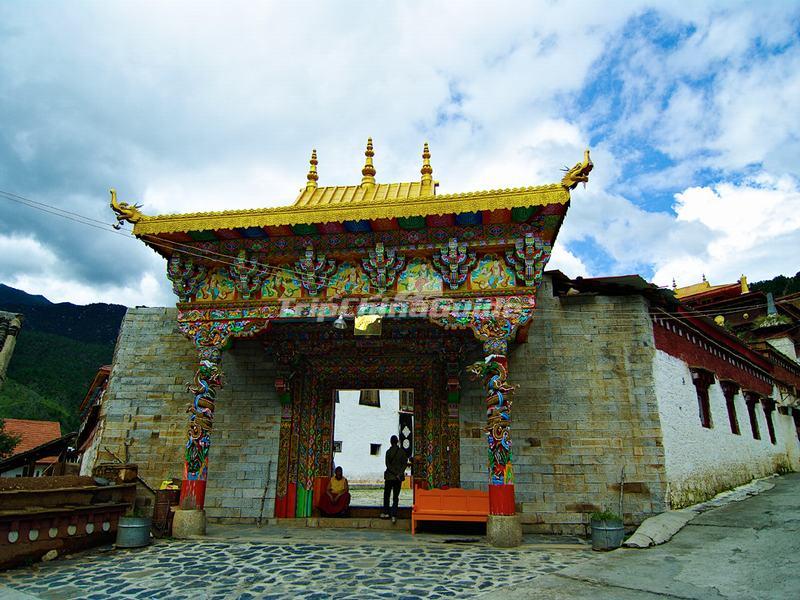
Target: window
{"type": "Point", "coordinates": [730, 389]}
{"type": "Point", "coordinates": [796, 417]}
{"type": "Point", "coordinates": [337, 446]}
{"type": "Point", "coordinates": [370, 398]}
{"type": "Point", "coordinates": [407, 401]}
{"type": "Point", "coordinates": [375, 449]}
{"type": "Point", "coordinates": [769, 407]}
{"type": "Point", "coordinates": [751, 398]}
{"type": "Point", "coordinates": [702, 380]}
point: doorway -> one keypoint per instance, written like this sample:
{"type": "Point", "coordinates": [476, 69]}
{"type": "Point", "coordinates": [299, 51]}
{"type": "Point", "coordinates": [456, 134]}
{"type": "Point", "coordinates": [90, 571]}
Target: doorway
{"type": "Point", "coordinates": [364, 422]}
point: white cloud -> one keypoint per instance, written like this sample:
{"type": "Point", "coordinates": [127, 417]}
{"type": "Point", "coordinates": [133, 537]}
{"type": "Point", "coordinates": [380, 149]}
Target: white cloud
{"type": "Point", "coordinates": [566, 262]}
{"type": "Point", "coordinates": [754, 228]}
{"type": "Point", "coordinates": [198, 106]}
{"type": "Point", "coordinates": [29, 265]}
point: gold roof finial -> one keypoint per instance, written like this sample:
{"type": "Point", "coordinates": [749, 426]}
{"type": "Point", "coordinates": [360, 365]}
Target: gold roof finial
{"type": "Point", "coordinates": [743, 283]}
{"type": "Point", "coordinates": [368, 171]}
{"type": "Point", "coordinates": [426, 170]}
{"type": "Point", "coordinates": [312, 171]}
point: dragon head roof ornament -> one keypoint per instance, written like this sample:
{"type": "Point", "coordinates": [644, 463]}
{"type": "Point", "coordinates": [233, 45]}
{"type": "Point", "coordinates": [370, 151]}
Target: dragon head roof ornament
{"type": "Point", "coordinates": [125, 212]}
{"type": "Point", "coordinates": [579, 173]}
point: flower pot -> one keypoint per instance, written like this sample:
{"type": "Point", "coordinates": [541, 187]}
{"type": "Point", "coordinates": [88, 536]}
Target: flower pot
{"type": "Point", "coordinates": [133, 532]}
{"type": "Point", "coordinates": [607, 535]}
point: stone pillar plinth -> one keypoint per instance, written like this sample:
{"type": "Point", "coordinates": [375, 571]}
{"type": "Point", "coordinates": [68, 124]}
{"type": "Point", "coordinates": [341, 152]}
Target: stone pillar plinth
{"type": "Point", "coordinates": [188, 523]}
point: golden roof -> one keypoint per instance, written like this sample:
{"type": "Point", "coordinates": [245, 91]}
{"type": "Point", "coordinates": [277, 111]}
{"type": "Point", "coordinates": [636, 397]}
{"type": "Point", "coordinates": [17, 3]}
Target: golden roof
{"type": "Point", "coordinates": [367, 201]}
{"type": "Point", "coordinates": [342, 194]}
{"type": "Point", "coordinates": [354, 210]}
{"type": "Point", "coordinates": [705, 286]}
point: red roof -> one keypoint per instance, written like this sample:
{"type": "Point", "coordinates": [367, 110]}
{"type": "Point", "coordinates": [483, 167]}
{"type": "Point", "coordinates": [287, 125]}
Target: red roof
{"type": "Point", "coordinates": [32, 433]}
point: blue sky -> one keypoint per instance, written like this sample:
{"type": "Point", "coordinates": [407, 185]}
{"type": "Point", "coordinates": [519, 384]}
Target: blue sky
{"type": "Point", "coordinates": [690, 112]}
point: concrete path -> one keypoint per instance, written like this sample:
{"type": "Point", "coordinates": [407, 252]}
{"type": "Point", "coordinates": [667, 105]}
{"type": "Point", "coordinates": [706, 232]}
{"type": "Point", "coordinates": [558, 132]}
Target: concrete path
{"type": "Point", "coordinates": [747, 549]}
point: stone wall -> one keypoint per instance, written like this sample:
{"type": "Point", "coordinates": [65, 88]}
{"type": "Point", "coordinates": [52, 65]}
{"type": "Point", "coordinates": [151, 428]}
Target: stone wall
{"type": "Point", "coordinates": [146, 401]}
{"type": "Point", "coordinates": [700, 461]}
{"type": "Point", "coordinates": [585, 409]}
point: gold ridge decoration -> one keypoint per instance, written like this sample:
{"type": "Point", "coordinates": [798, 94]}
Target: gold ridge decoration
{"type": "Point", "coordinates": [312, 176]}
{"type": "Point", "coordinates": [454, 262]}
{"type": "Point", "coordinates": [368, 171]}
{"type": "Point", "coordinates": [579, 173]}
{"type": "Point", "coordinates": [427, 170]}
{"type": "Point", "coordinates": [125, 212]}
{"type": "Point", "coordinates": [360, 210]}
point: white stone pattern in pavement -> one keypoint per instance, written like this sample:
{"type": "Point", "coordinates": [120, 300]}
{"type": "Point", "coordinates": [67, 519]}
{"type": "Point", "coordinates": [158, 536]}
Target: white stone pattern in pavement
{"type": "Point", "coordinates": [210, 570]}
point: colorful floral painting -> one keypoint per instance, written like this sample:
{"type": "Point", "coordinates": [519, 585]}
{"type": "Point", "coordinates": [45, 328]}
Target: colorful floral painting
{"type": "Point", "coordinates": [347, 281]}
{"type": "Point", "coordinates": [217, 286]}
{"type": "Point", "coordinates": [419, 277]}
{"type": "Point", "coordinates": [282, 282]}
{"type": "Point", "coordinates": [492, 273]}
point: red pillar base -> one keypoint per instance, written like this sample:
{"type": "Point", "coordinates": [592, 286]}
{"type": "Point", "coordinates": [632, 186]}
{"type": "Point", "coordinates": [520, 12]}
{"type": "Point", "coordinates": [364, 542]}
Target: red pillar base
{"type": "Point", "coordinates": [501, 499]}
{"type": "Point", "coordinates": [193, 494]}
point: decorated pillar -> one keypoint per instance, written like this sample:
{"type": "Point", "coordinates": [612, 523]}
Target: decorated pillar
{"type": "Point", "coordinates": [493, 374]}
{"type": "Point", "coordinates": [207, 380]}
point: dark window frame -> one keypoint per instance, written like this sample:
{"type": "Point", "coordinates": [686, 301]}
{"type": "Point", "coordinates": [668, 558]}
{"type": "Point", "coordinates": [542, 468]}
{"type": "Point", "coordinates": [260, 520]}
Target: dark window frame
{"type": "Point", "coordinates": [729, 390]}
{"type": "Point", "coordinates": [751, 399]}
{"type": "Point", "coordinates": [768, 406]}
{"type": "Point", "coordinates": [702, 380]}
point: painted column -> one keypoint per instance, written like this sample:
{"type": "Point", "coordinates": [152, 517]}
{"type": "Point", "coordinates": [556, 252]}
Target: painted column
{"type": "Point", "coordinates": [493, 372]}
{"type": "Point", "coordinates": [207, 380]}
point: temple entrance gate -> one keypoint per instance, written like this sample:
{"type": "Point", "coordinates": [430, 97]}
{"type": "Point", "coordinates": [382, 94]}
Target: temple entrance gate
{"type": "Point", "coordinates": [468, 262]}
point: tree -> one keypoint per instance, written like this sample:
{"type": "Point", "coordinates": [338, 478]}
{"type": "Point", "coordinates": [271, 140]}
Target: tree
{"type": "Point", "coordinates": [7, 441]}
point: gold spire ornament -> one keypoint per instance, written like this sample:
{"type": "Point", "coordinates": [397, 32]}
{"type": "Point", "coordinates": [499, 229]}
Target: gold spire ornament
{"type": "Point", "coordinates": [368, 171]}
{"type": "Point", "coordinates": [426, 170]}
{"type": "Point", "coordinates": [312, 171]}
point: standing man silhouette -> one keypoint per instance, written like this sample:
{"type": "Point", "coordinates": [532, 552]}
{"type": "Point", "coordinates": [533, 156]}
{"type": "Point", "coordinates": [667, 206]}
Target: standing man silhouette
{"type": "Point", "coordinates": [395, 473]}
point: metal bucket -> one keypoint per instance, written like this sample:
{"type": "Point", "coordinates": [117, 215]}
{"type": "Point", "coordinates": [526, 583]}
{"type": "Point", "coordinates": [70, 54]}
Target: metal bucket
{"type": "Point", "coordinates": [607, 535]}
{"type": "Point", "coordinates": [133, 532]}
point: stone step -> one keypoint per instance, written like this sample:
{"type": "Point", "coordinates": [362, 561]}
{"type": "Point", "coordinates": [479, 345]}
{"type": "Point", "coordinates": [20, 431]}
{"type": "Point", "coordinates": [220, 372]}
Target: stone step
{"type": "Point", "coordinates": [347, 523]}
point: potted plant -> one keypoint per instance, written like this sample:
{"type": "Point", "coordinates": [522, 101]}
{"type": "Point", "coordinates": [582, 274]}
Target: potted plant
{"type": "Point", "coordinates": [133, 531]}
{"type": "Point", "coordinates": [607, 530]}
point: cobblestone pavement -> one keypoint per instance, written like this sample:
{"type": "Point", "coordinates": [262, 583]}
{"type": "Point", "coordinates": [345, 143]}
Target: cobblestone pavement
{"type": "Point", "coordinates": [354, 568]}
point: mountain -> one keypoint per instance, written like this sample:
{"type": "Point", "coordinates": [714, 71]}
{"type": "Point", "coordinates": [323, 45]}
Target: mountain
{"type": "Point", "coordinates": [58, 351]}
{"type": "Point", "coordinates": [93, 323]}
{"type": "Point", "coordinates": [9, 295]}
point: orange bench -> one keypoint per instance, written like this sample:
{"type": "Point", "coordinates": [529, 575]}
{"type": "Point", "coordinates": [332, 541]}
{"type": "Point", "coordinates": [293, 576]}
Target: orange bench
{"type": "Point", "coordinates": [453, 504]}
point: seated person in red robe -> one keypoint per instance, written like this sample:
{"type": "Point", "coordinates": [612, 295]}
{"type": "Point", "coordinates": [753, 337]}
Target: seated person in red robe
{"type": "Point", "coordinates": [336, 499]}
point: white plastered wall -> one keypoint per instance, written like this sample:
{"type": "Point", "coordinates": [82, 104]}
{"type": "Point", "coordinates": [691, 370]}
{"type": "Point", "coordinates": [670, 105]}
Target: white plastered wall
{"type": "Point", "coordinates": [358, 426]}
{"type": "Point", "coordinates": [701, 462]}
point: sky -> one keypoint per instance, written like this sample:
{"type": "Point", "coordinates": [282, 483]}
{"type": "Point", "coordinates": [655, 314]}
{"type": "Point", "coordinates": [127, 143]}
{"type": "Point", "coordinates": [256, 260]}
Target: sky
{"type": "Point", "coordinates": [690, 110]}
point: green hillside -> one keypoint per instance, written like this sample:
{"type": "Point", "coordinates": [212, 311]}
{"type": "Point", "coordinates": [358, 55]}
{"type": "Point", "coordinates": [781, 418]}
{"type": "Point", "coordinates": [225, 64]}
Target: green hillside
{"type": "Point", "coordinates": [58, 351]}
{"type": "Point", "coordinates": [779, 286]}
{"type": "Point", "coordinates": [49, 375]}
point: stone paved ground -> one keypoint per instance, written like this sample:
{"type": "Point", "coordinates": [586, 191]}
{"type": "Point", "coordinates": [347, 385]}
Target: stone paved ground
{"type": "Point", "coordinates": [358, 565]}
